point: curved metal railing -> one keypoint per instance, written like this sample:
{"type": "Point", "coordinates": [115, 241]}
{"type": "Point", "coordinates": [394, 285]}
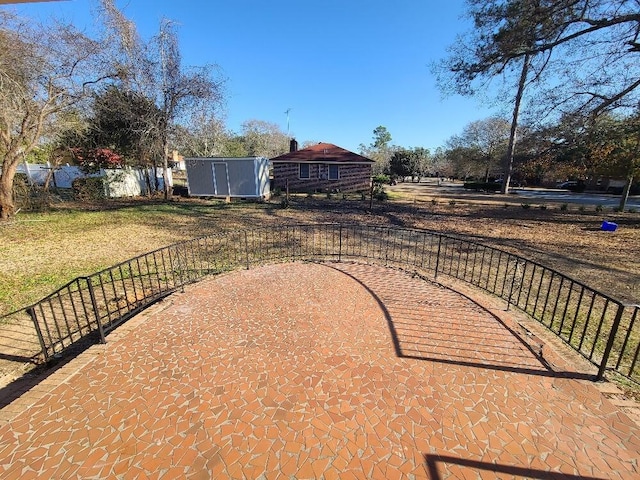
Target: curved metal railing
{"type": "Point", "coordinates": [602, 329]}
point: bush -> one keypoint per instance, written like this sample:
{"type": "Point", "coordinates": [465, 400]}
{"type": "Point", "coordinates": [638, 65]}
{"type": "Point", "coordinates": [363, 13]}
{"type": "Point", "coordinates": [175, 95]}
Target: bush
{"type": "Point", "coordinates": [379, 181]}
{"type": "Point", "coordinates": [452, 202]}
{"type": "Point", "coordinates": [382, 179]}
{"type": "Point", "coordinates": [381, 195]}
{"type": "Point", "coordinates": [526, 206]}
{"type": "Point", "coordinates": [542, 207]}
{"type": "Point", "coordinates": [564, 207]}
{"type": "Point", "coordinates": [20, 187]}
{"type": "Point", "coordinates": [88, 188]}
{"type": "Point", "coordinates": [599, 208]}
{"type": "Point", "coordinates": [29, 197]}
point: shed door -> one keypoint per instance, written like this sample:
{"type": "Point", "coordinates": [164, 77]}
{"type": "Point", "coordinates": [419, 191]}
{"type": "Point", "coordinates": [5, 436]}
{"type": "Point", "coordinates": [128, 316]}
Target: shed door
{"type": "Point", "coordinates": [221, 179]}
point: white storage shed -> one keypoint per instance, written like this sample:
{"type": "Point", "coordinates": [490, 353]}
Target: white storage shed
{"type": "Point", "coordinates": [228, 177]}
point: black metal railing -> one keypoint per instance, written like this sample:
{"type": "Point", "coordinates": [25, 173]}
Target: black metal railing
{"type": "Point", "coordinates": [602, 329]}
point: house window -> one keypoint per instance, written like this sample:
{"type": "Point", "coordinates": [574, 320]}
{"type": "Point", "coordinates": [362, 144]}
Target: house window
{"type": "Point", "coordinates": [304, 170]}
{"type": "Point", "coordinates": [334, 173]}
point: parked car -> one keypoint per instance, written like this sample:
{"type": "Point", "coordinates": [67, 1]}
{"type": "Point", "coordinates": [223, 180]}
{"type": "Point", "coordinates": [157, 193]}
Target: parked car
{"type": "Point", "coordinates": [567, 185]}
{"type": "Point", "coordinates": [512, 183]}
{"type": "Point", "coordinates": [572, 185]}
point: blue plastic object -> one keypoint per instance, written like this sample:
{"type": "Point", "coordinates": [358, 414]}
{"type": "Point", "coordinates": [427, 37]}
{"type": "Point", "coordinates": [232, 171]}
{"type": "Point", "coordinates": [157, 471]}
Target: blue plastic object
{"type": "Point", "coordinates": [609, 226]}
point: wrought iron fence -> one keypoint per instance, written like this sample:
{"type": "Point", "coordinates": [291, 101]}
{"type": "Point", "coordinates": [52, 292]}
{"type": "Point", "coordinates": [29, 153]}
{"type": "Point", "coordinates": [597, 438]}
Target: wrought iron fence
{"type": "Point", "coordinates": [602, 329]}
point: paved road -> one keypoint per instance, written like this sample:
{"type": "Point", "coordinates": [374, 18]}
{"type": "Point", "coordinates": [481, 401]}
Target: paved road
{"type": "Point", "coordinates": [564, 196]}
{"type": "Point", "coordinates": [430, 189]}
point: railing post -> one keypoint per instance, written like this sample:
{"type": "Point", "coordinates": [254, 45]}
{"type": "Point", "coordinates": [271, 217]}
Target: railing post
{"type": "Point", "coordinates": [32, 313]}
{"type": "Point", "coordinates": [340, 244]}
{"type": "Point", "coordinates": [246, 250]}
{"type": "Point", "coordinates": [386, 247]}
{"type": "Point", "coordinates": [438, 256]}
{"type": "Point", "coordinates": [513, 280]}
{"type": "Point", "coordinates": [610, 342]}
{"type": "Point", "coordinates": [94, 305]}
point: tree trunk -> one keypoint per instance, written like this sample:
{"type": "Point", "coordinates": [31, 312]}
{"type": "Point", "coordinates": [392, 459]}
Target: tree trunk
{"type": "Point", "coordinates": [50, 176]}
{"type": "Point", "coordinates": [508, 167]}
{"type": "Point", "coordinates": [9, 167]}
{"type": "Point", "coordinates": [7, 208]}
{"type": "Point", "coordinates": [625, 193]}
{"type": "Point", "coordinates": [147, 180]}
{"type": "Point", "coordinates": [165, 170]}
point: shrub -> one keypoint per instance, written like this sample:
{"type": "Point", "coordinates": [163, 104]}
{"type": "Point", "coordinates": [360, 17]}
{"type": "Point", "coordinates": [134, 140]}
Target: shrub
{"type": "Point", "coordinates": [599, 208]}
{"type": "Point", "coordinates": [382, 179]}
{"type": "Point", "coordinates": [29, 197]}
{"type": "Point", "coordinates": [20, 187]}
{"type": "Point", "coordinates": [564, 207]}
{"type": "Point", "coordinates": [526, 206]}
{"type": "Point", "coordinates": [542, 207]}
{"type": "Point", "coordinates": [88, 188]}
{"type": "Point", "coordinates": [91, 160]}
{"type": "Point", "coordinates": [381, 195]}
{"type": "Point", "coordinates": [434, 201]}
{"type": "Point", "coordinates": [452, 202]}
{"type": "Point", "coordinates": [581, 209]}
{"type": "Point", "coordinates": [379, 181]}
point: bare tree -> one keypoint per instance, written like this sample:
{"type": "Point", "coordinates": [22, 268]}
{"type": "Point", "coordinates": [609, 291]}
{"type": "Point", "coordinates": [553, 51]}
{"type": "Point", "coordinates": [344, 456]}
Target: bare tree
{"type": "Point", "coordinates": [181, 89]}
{"type": "Point", "coordinates": [488, 138]}
{"type": "Point", "coordinates": [154, 69]}
{"type": "Point", "coordinates": [45, 71]}
{"type": "Point", "coordinates": [201, 136]}
{"type": "Point", "coordinates": [264, 139]}
{"type": "Point", "coordinates": [589, 48]}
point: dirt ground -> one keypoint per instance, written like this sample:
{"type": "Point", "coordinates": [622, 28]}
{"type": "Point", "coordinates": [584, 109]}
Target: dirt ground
{"type": "Point", "coordinates": [569, 241]}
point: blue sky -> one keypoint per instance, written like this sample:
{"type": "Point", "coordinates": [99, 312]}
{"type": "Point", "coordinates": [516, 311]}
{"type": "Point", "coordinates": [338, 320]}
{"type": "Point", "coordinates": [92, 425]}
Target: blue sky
{"type": "Point", "coordinates": [342, 67]}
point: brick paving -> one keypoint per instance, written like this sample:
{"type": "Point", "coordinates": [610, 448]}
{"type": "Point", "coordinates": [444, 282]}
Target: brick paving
{"type": "Point", "coordinates": [318, 371]}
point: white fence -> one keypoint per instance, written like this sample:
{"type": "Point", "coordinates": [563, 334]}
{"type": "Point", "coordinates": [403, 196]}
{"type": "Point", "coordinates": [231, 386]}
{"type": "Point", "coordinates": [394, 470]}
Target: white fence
{"type": "Point", "coordinates": [127, 182]}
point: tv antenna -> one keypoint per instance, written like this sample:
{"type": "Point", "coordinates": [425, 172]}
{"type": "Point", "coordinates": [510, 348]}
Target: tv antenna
{"type": "Point", "coordinates": [287, 113]}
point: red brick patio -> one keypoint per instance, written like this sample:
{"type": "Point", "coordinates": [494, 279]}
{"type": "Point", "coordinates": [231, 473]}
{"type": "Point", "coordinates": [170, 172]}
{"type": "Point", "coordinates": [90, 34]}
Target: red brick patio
{"type": "Point", "coordinates": [318, 371]}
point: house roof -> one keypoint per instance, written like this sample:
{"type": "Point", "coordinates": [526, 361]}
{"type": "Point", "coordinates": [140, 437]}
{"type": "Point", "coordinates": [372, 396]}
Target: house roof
{"type": "Point", "coordinates": [322, 153]}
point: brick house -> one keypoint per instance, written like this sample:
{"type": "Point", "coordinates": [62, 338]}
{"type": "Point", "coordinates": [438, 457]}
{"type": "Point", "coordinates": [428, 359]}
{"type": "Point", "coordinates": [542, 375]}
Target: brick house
{"type": "Point", "coordinates": [321, 168]}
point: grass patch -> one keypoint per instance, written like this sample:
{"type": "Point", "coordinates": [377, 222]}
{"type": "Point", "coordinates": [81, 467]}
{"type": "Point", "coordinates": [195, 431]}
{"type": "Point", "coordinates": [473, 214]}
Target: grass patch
{"type": "Point", "coordinates": [41, 252]}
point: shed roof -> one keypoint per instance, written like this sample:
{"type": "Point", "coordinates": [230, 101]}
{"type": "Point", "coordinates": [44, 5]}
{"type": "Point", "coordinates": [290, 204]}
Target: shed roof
{"type": "Point", "coordinates": [322, 153]}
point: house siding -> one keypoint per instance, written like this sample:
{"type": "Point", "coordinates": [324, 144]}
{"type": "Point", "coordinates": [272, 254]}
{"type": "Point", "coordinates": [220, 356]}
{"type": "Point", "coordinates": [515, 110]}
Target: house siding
{"type": "Point", "coordinates": [352, 177]}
